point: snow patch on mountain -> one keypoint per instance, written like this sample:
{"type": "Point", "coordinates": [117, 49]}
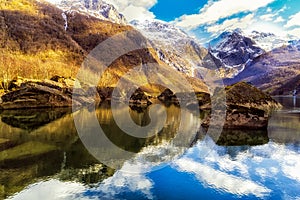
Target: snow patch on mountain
{"type": "Point", "coordinates": [65, 17]}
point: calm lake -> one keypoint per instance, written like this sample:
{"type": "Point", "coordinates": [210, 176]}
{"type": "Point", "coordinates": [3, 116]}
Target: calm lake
{"type": "Point", "coordinates": [43, 157]}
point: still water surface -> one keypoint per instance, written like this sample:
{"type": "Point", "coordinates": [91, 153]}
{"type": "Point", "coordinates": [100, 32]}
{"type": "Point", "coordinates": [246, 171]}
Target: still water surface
{"type": "Point", "coordinates": [42, 157]}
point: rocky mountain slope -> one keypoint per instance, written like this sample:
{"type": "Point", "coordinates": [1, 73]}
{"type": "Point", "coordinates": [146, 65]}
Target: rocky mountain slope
{"type": "Point", "coordinates": [265, 60]}
{"type": "Point", "coordinates": [232, 52]}
{"type": "Point", "coordinates": [276, 72]}
{"type": "Point", "coordinates": [172, 45]}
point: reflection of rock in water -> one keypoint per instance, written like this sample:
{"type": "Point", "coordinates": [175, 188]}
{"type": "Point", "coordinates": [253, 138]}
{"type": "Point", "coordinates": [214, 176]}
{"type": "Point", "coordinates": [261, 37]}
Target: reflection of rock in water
{"type": "Point", "coordinates": [243, 137]}
{"type": "Point", "coordinates": [24, 164]}
{"type": "Point", "coordinates": [31, 119]}
{"type": "Point", "coordinates": [50, 150]}
{"type": "Point", "coordinates": [114, 145]}
{"type": "Point", "coordinates": [54, 149]}
{"type": "Point", "coordinates": [88, 171]}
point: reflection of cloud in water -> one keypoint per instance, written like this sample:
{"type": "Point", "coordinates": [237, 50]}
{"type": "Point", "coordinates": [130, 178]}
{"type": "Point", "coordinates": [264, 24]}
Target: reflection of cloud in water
{"type": "Point", "coordinates": [132, 176]}
{"type": "Point", "coordinates": [220, 180]}
{"type": "Point", "coordinates": [125, 182]}
{"type": "Point", "coordinates": [51, 190]}
{"type": "Point", "coordinates": [287, 160]}
{"type": "Point", "coordinates": [248, 173]}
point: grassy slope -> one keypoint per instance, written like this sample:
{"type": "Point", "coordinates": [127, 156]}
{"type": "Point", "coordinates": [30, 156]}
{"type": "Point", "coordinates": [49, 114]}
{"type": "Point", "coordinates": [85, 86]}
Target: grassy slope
{"type": "Point", "coordinates": [34, 44]}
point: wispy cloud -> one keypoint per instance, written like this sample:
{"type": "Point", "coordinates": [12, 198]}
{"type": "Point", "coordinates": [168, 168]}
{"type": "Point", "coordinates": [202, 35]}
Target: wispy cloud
{"type": "Point", "coordinates": [231, 24]}
{"type": "Point", "coordinates": [273, 15]}
{"type": "Point", "coordinates": [268, 17]}
{"type": "Point", "coordinates": [216, 10]}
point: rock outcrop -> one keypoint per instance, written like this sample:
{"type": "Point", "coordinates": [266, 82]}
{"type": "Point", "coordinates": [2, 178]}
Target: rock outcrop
{"type": "Point", "coordinates": [246, 107]}
{"type": "Point", "coordinates": [140, 97]}
{"type": "Point", "coordinates": [31, 93]}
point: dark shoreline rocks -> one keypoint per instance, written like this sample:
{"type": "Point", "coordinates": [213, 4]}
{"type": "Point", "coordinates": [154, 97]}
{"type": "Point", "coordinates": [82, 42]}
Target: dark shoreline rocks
{"type": "Point", "coordinates": [31, 93]}
{"type": "Point", "coordinates": [246, 106]}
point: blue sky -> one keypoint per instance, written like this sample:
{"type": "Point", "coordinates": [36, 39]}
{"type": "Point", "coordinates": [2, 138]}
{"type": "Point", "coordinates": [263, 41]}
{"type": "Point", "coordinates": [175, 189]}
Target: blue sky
{"type": "Point", "coordinates": [207, 19]}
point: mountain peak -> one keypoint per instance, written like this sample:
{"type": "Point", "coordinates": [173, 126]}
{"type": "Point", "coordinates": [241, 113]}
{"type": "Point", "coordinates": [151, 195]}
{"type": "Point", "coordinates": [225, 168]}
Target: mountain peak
{"type": "Point", "coordinates": [95, 8]}
{"type": "Point", "coordinates": [232, 51]}
{"type": "Point", "coordinates": [267, 41]}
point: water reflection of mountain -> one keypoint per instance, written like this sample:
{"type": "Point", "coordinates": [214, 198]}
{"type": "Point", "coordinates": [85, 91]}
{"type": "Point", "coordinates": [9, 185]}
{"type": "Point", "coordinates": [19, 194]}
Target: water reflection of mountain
{"type": "Point", "coordinates": [46, 144]}
{"type": "Point", "coordinates": [51, 148]}
{"type": "Point", "coordinates": [38, 144]}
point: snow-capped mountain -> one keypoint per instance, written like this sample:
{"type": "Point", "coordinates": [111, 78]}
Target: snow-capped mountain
{"type": "Point", "coordinates": [173, 46]}
{"type": "Point", "coordinates": [96, 8]}
{"type": "Point", "coordinates": [232, 51]}
{"type": "Point", "coordinates": [276, 72]}
{"type": "Point", "coordinates": [268, 41]}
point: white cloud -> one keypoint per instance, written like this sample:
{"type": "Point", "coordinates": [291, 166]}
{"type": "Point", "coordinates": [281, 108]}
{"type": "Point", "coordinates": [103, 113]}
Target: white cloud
{"type": "Point", "coordinates": [216, 10]}
{"type": "Point", "coordinates": [133, 9]}
{"type": "Point", "coordinates": [268, 17]}
{"type": "Point", "coordinates": [279, 19]}
{"type": "Point", "coordinates": [294, 20]}
{"type": "Point", "coordinates": [232, 24]}
{"type": "Point", "coordinates": [140, 13]}
{"type": "Point", "coordinates": [266, 27]}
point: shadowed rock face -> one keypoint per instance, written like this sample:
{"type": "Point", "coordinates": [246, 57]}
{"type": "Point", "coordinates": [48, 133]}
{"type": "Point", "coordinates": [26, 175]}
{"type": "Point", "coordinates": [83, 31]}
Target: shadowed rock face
{"type": "Point", "coordinates": [239, 117]}
{"type": "Point", "coordinates": [246, 106]}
